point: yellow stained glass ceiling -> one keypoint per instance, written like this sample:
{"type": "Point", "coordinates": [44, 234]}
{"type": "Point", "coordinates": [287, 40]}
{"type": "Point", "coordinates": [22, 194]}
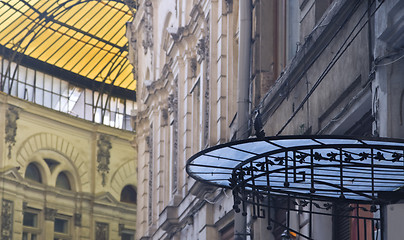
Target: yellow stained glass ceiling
{"type": "Point", "coordinates": [83, 37]}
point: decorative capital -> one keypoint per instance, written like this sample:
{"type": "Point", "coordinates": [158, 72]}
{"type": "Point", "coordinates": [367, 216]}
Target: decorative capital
{"type": "Point", "coordinates": [50, 214]}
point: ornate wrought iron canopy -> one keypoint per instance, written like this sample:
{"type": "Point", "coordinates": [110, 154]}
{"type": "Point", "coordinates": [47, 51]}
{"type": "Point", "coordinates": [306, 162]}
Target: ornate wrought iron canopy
{"type": "Point", "coordinates": [315, 167]}
{"type": "Point", "coordinates": [337, 176]}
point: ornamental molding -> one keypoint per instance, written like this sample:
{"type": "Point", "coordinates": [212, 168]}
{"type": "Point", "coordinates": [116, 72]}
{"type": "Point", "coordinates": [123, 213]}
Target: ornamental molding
{"type": "Point", "coordinates": [12, 115]}
{"type": "Point", "coordinates": [148, 26]}
{"type": "Point", "coordinates": [229, 6]}
{"type": "Point", "coordinates": [101, 231]}
{"type": "Point", "coordinates": [7, 210]}
{"type": "Point", "coordinates": [103, 156]}
{"type": "Point", "coordinates": [77, 219]}
{"type": "Point", "coordinates": [50, 214]}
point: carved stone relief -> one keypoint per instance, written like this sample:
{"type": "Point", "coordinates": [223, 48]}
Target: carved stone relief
{"type": "Point", "coordinates": [173, 110]}
{"type": "Point", "coordinates": [12, 116]}
{"type": "Point", "coordinates": [164, 113]}
{"type": "Point", "coordinates": [229, 6]}
{"type": "Point", "coordinates": [7, 210]}
{"type": "Point", "coordinates": [77, 219]}
{"type": "Point", "coordinates": [50, 214]}
{"type": "Point", "coordinates": [103, 156]}
{"type": "Point", "coordinates": [101, 231]}
{"type": "Point", "coordinates": [201, 49]}
{"type": "Point", "coordinates": [193, 67]}
{"type": "Point", "coordinates": [148, 26]}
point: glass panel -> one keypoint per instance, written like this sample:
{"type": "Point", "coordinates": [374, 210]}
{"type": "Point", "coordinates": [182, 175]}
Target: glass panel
{"type": "Point", "coordinates": [33, 173]}
{"type": "Point", "coordinates": [128, 195]}
{"type": "Point", "coordinates": [56, 85]}
{"type": "Point", "coordinates": [48, 82]}
{"type": "Point", "coordinates": [229, 153]}
{"type": "Point", "coordinates": [29, 93]}
{"type": "Point", "coordinates": [39, 80]}
{"type": "Point", "coordinates": [48, 99]}
{"type": "Point", "coordinates": [39, 96]}
{"type": "Point", "coordinates": [30, 77]}
{"type": "Point", "coordinates": [61, 225]}
{"type": "Point", "coordinates": [127, 236]}
{"type": "Point", "coordinates": [64, 89]}
{"type": "Point", "coordinates": [30, 219]}
{"type": "Point", "coordinates": [21, 90]}
{"type": "Point", "coordinates": [63, 181]}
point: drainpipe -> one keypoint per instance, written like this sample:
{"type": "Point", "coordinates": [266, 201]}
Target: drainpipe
{"type": "Point", "coordinates": [240, 221]}
{"type": "Point", "coordinates": [243, 68]}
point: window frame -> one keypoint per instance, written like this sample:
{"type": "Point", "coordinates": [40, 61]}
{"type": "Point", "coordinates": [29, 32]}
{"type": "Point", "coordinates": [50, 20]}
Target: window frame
{"type": "Point", "coordinates": [68, 233]}
{"type": "Point", "coordinates": [35, 229]}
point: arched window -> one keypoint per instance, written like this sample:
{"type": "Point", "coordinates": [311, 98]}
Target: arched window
{"type": "Point", "coordinates": [128, 194]}
{"type": "Point", "coordinates": [32, 172]}
{"type": "Point", "coordinates": [63, 181]}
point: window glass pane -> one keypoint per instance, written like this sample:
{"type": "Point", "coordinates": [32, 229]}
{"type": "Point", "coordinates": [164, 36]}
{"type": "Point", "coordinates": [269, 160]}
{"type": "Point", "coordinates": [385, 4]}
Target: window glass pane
{"type": "Point", "coordinates": [63, 181]}
{"type": "Point", "coordinates": [39, 80]}
{"type": "Point", "coordinates": [48, 82]}
{"type": "Point", "coordinates": [30, 77]}
{"type": "Point", "coordinates": [56, 85]}
{"type": "Point", "coordinates": [127, 236]}
{"type": "Point", "coordinates": [128, 194]}
{"type": "Point", "coordinates": [61, 225]}
{"type": "Point", "coordinates": [30, 219]}
{"type": "Point", "coordinates": [48, 99]}
{"type": "Point", "coordinates": [21, 90]}
{"type": "Point", "coordinates": [39, 96]}
{"type": "Point", "coordinates": [33, 173]}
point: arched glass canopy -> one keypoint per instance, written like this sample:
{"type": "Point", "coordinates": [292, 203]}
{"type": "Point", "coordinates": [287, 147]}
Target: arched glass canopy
{"type": "Point", "coordinates": [315, 167]}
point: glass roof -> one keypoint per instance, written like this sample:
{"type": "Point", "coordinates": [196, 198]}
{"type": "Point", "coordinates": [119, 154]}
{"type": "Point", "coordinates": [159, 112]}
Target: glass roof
{"type": "Point", "coordinates": [83, 37]}
{"type": "Point", "coordinates": [319, 166]}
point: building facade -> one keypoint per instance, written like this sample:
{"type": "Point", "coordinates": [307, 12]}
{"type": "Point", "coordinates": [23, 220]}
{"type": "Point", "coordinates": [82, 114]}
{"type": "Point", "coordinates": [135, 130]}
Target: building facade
{"type": "Point", "coordinates": [210, 72]}
{"type": "Point", "coordinates": [68, 166]}
{"type": "Point", "coordinates": [63, 177]}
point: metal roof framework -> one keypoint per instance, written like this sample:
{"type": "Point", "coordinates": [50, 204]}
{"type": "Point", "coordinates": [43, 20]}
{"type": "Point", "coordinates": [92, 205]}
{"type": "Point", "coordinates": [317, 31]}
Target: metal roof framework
{"type": "Point", "coordinates": [81, 41]}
